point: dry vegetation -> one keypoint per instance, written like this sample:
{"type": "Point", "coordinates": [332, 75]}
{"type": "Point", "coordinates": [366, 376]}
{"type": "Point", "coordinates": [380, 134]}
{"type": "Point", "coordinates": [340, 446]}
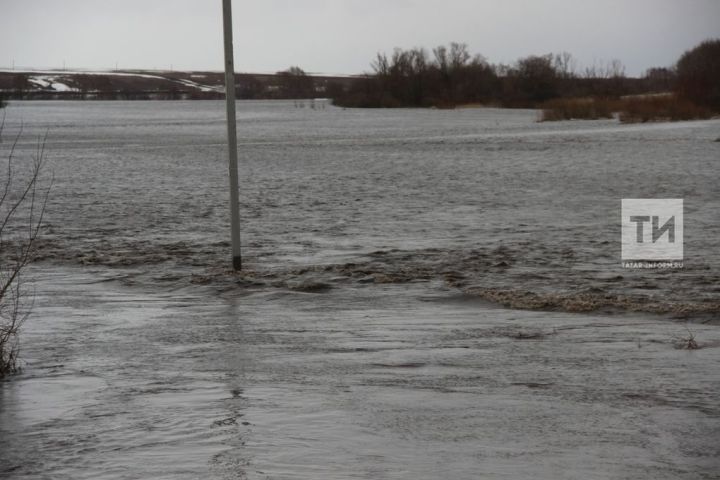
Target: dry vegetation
{"type": "Point", "coordinates": [633, 109]}
{"type": "Point", "coordinates": [694, 94]}
{"type": "Point", "coordinates": [660, 108]}
{"type": "Point", "coordinates": [576, 108]}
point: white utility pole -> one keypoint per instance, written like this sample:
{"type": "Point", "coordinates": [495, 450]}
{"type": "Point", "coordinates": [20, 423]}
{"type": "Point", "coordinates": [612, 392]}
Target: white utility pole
{"type": "Point", "coordinates": [232, 134]}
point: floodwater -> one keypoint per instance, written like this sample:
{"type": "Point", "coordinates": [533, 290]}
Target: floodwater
{"type": "Point", "coordinates": [426, 293]}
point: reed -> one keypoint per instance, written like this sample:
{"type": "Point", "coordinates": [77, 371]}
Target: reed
{"type": "Point", "coordinates": [576, 109]}
{"type": "Point", "coordinates": [634, 109]}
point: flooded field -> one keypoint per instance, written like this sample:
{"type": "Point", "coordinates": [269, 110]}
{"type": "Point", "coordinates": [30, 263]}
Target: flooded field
{"type": "Point", "coordinates": [427, 293]}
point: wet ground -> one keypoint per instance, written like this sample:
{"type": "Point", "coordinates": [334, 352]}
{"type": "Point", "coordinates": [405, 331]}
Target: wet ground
{"type": "Point", "coordinates": [369, 336]}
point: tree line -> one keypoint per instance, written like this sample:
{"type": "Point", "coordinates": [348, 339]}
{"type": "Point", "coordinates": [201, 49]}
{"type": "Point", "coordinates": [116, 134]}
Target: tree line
{"type": "Point", "coordinates": [445, 77]}
{"type": "Point", "coordinates": [449, 76]}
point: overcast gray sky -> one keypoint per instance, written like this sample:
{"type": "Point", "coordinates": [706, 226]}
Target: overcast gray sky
{"type": "Point", "coordinates": [342, 36]}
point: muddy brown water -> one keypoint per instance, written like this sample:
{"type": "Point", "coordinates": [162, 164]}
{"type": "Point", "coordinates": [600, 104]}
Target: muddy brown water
{"type": "Point", "coordinates": [369, 336]}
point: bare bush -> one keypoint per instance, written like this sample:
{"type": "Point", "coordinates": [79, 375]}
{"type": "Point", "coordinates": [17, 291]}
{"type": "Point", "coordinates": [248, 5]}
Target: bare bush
{"type": "Point", "coordinates": [576, 109]}
{"type": "Point", "coordinates": [630, 109]}
{"type": "Point", "coordinates": [688, 342]}
{"type": "Point", "coordinates": [22, 206]}
{"type": "Point", "coordinates": [661, 108]}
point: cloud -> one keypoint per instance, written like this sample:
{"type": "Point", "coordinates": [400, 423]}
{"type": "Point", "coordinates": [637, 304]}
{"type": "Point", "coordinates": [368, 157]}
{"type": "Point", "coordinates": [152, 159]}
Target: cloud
{"type": "Point", "coordinates": [342, 36]}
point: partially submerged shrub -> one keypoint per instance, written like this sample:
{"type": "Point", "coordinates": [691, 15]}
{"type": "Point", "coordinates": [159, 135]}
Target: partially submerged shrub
{"type": "Point", "coordinates": [639, 108]}
{"type": "Point", "coordinates": [660, 108]}
{"type": "Point", "coordinates": [688, 342]}
{"type": "Point", "coordinates": [576, 108]}
{"type": "Point", "coordinates": [22, 205]}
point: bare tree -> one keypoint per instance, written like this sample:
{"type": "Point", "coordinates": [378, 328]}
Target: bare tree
{"type": "Point", "coordinates": [295, 83]}
{"type": "Point", "coordinates": [698, 73]}
{"type": "Point", "coordinates": [616, 69]}
{"type": "Point", "coordinates": [22, 206]}
{"type": "Point", "coordinates": [565, 65]}
{"type": "Point", "coordinates": [381, 66]}
{"type": "Point", "coordinates": [536, 78]}
{"type": "Point", "coordinates": [459, 55]}
{"type": "Point", "coordinates": [441, 59]}
{"type": "Point", "coordinates": [611, 69]}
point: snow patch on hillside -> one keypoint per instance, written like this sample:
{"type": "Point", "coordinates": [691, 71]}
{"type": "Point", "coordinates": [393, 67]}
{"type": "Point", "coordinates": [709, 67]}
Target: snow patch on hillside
{"type": "Point", "coordinates": [51, 82]}
{"type": "Point", "coordinates": [48, 79]}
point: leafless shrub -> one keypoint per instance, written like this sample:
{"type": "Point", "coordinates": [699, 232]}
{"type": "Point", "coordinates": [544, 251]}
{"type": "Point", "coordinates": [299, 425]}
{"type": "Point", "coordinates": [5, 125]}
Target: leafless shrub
{"type": "Point", "coordinates": [663, 108]}
{"type": "Point", "coordinates": [687, 342]}
{"type": "Point", "coordinates": [22, 206]}
{"type": "Point", "coordinates": [576, 109]}
{"type": "Point", "coordinates": [632, 109]}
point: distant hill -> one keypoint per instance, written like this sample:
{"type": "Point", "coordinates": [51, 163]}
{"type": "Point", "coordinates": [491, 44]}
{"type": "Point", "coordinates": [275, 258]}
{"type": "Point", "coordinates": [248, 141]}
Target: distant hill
{"type": "Point", "coordinates": [162, 85]}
